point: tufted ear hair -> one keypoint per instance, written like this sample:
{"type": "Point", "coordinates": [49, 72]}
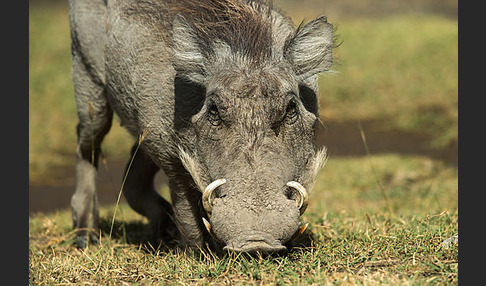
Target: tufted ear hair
{"type": "Point", "coordinates": [310, 49]}
{"type": "Point", "coordinates": [187, 58]}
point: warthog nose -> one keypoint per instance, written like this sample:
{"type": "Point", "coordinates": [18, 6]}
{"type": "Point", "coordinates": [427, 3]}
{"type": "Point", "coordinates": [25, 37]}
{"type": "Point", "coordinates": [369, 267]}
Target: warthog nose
{"type": "Point", "coordinates": [257, 247]}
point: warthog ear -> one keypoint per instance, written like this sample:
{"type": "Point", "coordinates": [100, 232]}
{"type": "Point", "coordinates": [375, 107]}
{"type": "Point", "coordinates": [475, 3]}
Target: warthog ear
{"type": "Point", "coordinates": [188, 60]}
{"type": "Point", "coordinates": [310, 49]}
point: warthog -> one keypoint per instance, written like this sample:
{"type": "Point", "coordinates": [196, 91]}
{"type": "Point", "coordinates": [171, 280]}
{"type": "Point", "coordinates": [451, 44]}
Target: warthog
{"type": "Point", "coordinates": [222, 95]}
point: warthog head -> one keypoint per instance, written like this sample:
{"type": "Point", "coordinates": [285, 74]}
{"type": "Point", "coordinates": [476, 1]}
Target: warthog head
{"type": "Point", "coordinates": [254, 158]}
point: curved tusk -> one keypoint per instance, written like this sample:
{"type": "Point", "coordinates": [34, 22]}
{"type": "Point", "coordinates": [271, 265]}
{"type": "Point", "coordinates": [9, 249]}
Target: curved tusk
{"type": "Point", "coordinates": [303, 199]}
{"type": "Point", "coordinates": [207, 194]}
{"type": "Point", "coordinates": [299, 232]}
{"type": "Point", "coordinates": [207, 224]}
{"type": "Point", "coordinates": [210, 230]}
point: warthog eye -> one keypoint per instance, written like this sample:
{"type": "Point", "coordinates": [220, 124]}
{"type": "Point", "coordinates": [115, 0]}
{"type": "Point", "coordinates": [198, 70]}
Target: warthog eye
{"type": "Point", "coordinates": [291, 113]}
{"type": "Point", "coordinates": [213, 115]}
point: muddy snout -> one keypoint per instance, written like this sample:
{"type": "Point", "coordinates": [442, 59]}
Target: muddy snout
{"type": "Point", "coordinates": [258, 221]}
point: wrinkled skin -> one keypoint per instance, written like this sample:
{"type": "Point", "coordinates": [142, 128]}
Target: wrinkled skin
{"type": "Point", "coordinates": [255, 205]}
{"type": "Point", "coordinates": [229, 117]}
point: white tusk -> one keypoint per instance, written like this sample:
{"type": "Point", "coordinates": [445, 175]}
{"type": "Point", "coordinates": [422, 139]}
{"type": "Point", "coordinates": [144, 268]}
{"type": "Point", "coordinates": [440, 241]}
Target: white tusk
{"type": "Point", "coordinates": [299, 232]}
{"type": "Point", "coordinates": [207, 224]}
{"type": "Point", "coordinates": [302, 229]}
{"type": "Point", "coordinates": [303, 200]}
{"type": "Point", "coordinates": [207, 194]}
{"type": "Point", "coordinates": [210, 230]}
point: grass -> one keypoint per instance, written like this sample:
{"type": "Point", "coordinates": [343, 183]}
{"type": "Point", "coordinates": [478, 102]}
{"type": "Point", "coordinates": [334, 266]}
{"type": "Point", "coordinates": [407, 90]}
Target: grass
{"type": "Point", "coordinates": [373, 219]}
{"type": "Point", "coordinates": [354, 239]}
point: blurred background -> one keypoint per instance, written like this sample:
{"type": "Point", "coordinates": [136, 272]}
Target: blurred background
{"type": "Point", "coordinates": [395, 81]}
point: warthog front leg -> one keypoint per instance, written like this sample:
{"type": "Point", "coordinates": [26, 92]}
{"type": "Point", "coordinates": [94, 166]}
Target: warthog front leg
{"type": "Point", "coordinates": [95, 117]}
{"type": "Point", "coordinates": [84, 201]}
{"type": "Point", "coordinates": [142, 197]}
{"type": "Point", "coordinates": [188, 213]}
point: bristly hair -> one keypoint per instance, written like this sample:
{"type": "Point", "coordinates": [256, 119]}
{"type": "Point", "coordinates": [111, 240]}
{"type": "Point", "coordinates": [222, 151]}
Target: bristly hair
{"type": "Point", "coordinates": [244, 25]}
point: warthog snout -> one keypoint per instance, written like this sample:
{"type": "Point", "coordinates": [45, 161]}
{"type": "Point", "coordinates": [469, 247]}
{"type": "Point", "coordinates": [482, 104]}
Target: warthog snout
{"type": "Point", "coordinates": [254, 222]}
{"type": "Point", "coordinates": [256, 243]}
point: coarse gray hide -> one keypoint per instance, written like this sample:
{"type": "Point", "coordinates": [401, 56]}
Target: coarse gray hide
{"type": "Point", "coordinates": [220, 95]}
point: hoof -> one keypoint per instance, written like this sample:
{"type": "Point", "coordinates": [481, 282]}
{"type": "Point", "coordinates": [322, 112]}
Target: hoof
{"type": "Point", "coordinates": [82, 241]}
